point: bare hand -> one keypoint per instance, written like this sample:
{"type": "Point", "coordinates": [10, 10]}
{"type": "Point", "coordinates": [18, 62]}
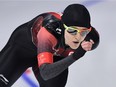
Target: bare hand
{"type": "Point", "coordinates": [87, 45]}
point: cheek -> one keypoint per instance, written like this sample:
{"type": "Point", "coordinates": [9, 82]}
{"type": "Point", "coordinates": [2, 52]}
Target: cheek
{"type": "Point", "coordinates": [83, 38]}
{"type": "Point", "coordinates": [80, 38]}
{"type": "Point", "coordinates": [68, 37]}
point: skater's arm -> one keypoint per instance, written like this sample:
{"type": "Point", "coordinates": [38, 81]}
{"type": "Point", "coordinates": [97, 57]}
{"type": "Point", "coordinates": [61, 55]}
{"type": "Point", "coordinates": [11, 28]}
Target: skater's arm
{"type": "Point", "coordinates": [45, 45]}
{"type": "Point", "coordinates": [49, 71]}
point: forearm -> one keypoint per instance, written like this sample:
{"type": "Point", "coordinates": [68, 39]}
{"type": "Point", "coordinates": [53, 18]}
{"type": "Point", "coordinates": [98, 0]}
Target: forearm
{"type": "Point", "coordinates": [49, 71]}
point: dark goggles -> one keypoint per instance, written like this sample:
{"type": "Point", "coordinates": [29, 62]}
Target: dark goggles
{"type": "Point", "coordinates": [73, 30]}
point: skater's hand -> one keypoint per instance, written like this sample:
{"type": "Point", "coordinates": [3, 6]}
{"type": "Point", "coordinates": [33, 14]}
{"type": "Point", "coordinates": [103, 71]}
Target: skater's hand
{"type": "Point", "coordinates": [81, 50]}
{"type": "Point", "coordinates": [87, 45]}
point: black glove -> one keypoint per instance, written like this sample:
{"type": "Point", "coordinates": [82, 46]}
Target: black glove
{"type": "Point", "coordinates": [79, 52]}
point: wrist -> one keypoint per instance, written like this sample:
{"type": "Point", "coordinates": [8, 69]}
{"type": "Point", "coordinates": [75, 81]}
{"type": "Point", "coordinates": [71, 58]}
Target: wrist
{"type": "Point", "coordinates": [79, 52]}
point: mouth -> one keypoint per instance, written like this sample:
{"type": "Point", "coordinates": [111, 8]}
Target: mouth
{"type": "Point", "coordinates": [75, 42]}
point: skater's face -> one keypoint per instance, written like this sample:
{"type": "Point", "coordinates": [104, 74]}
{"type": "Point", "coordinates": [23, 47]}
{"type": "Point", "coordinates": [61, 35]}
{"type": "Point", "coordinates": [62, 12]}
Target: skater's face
{"type": "Point", "coordinates": [74, 35]}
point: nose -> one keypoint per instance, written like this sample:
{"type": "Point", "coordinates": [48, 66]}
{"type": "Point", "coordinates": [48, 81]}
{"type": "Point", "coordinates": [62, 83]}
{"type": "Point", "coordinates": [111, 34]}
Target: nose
{"type": "Point", "coordinates": [78, 37]}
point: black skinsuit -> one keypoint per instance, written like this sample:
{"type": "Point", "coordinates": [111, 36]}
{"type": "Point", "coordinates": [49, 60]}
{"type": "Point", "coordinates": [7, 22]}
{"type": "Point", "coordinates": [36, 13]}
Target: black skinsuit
{"type": "Point", "coordinates": [20, 53]}
{"type": "Point", "coordinates": [42, 34]}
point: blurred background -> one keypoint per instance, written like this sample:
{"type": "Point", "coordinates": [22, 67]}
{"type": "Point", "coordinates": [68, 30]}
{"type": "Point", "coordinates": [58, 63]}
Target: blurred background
{"type": "Point", "coordinates": [97, 68]}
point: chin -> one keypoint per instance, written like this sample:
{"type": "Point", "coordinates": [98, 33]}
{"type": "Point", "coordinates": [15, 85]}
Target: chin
{"type": "Point", "coordinates": [74, 47]}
